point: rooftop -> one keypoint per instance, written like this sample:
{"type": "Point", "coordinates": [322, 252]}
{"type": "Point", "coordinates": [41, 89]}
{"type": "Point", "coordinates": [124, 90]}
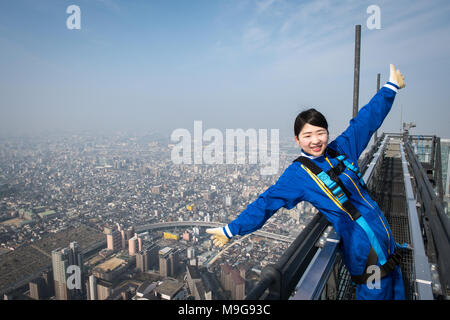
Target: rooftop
{"type": "Point", "coordinates": [165, 250]}
{"type": "Point", "coordinates": [111, 264]}
{"type": "Point", "coordinates": [169, 287]}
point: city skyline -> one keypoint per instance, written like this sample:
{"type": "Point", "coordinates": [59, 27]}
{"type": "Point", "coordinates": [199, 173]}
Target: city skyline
{"type": "Point", "coordinates": [69, 188]}
{"type": "Point", "coordinates": [94, 190]}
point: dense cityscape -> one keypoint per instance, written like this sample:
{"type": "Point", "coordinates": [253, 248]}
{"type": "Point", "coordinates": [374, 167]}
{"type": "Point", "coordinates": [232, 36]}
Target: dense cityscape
{"type": "Point", "coordinates": [130, 220]}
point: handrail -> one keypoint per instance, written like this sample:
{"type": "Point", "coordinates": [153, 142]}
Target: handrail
{"type": "Point", "coordinates": [421, 265]}
{"type": "Point", "coordinates": [364, 162]}
{"type": "Point", "coordinates": [315, 278]}
{"type": "Point", "coordinates": [368, 174]}
{"type": "Point", "coordinates": [282, 277]}
{"type": "Point", "coordinates": [434, 213]}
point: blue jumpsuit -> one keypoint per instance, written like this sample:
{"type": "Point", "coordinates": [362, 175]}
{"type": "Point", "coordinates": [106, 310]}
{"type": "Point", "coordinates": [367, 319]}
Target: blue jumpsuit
{"type": "Point", "coordinates": [296, 185]}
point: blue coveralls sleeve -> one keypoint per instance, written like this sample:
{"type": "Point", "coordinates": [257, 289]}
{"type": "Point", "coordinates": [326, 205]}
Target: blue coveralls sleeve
{"type": "Point", "coordinates": [355, 138]}
{"type": "Point", "coordinates": [286, 192]}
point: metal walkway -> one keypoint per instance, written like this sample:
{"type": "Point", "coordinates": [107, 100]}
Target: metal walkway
{"type": "Point", "coordinates": [404, 188]}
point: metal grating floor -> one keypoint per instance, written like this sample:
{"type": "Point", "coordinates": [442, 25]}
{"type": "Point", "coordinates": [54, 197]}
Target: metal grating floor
{"type": "Point", "coordinates": [389, 193]}
{"type": "Point", "coordinates": [390, 196]}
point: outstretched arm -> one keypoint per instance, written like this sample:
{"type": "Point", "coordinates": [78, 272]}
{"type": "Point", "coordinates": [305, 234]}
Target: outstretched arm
{"type": "Point", "coordinates": [286, 192]}
{"type": "Point", "coordinates": [355, 138]}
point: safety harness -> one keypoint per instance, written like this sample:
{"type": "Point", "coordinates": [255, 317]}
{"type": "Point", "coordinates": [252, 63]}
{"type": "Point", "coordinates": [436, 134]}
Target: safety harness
{"type": "Point", "coordinates": [334, 185]}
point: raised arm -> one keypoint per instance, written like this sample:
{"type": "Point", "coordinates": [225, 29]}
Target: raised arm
{"type": "Point", "coordinates": [355, 138]}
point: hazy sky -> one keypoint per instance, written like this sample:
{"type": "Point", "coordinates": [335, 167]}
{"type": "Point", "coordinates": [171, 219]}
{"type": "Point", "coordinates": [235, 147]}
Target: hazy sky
{"type": "Point", "coordinates": [160, 65]}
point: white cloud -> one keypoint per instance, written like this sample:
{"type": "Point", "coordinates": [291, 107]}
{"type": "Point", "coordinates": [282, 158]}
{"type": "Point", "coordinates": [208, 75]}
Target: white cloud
{"type": "Point", "coordinates": [297, 25]}
{"type": "Point", "coordinates": [255, 37]}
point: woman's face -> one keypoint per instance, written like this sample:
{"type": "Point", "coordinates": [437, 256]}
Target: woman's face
{"type": "Point", "coordinates": [312, 139]}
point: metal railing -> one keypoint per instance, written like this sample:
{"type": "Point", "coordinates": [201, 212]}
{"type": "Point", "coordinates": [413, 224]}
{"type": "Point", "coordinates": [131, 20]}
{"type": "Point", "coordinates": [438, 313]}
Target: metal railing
{"type": "Point", "coordinates": [422, 275]}
{"type": "Point", "coordinates": [281, 278]}
{"type": "Point", "coordinates": [435, 222]}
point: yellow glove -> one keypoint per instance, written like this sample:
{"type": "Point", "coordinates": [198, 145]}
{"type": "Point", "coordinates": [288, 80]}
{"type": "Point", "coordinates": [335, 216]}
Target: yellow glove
{"type": "Point", "coordinates": [219, 237]}
{"type": "Point", "coordinates": [396, 77]}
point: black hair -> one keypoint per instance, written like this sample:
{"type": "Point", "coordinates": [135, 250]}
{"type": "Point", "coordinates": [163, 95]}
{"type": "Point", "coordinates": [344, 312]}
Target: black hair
{"type": "Point", "coordinates": [311, 116]}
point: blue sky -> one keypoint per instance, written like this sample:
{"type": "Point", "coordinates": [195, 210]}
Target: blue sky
{"type": "Point", "coordinates": [160, 65]}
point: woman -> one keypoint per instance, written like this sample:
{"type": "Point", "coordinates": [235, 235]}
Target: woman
{"type": "Point", "coordinates": [326, 175]}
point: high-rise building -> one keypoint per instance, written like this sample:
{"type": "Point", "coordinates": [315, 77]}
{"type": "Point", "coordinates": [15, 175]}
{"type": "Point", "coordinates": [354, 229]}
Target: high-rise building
{"type": "Point", "coordinates": [233, 280]}
{"type": "Point", "coordinates": [174, 257]}
{"type": "Point", "coordinates": [104, 289]}
{"type": "Point", "coordinates": [47, 276]}
{"type": "Point", "coordinates": [76, 256]}
{"type": "Point", "coordinates": [148, 259]}
{"type": "Point", "coordinates": [129, 233]}
{"type": "Point", "coordinates": [151, 253]}
{"type": "Point", "coordinates": [125, 236]}
{"type": "Point", "coordinates": [113, 239]}
{"type": "Point", "coordinates": [123, 239]}
{"type": "Point", "coordinates": [193, 278]}
{"type": "Point", "coordinates": [122, 235]}
{"type": "Point", "coordinates": [139, 243]}
{"type": "Point", "coordinates": [169, 262]}
{"type": "Point", "coordinates": [76, 259]}
{"type": "Point", "coordinates": [37, 289]}
{"type": "Point", "coordinates": [238, 286]}
{"type": "Point", "coordinates": [134, 245]}
{"type": "Point", "coordinates": [141, 261]}
{"type": "Point", "coordinates": [61, 260]}
{"type": "Point", "coordinates": [164, 262]}
{"type": "Point", "coordinates": [242, 272]}
{"type": "Point", "coordinates": [92, 288]}
{"type": "Point", "coordinates": [225, 277]}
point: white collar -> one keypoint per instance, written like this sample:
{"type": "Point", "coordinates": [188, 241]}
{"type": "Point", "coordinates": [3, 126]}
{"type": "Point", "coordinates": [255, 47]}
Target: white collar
{"type": "Point", "coordinates": [308, 155]}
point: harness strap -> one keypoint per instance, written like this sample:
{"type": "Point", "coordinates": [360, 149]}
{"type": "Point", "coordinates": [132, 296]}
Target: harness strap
{"type": "Point", "coordinates": [373, 239]}
{"type": "Point", "coordinates": [355, 170]}
{"type": "Point", "coordinates": [388, 267]}
{"type": "Point", "coordinates": [342, 158]}
{"type": "Point", "coordinates": [334, 184]}
{"type": "Point", "coordinates": [337, 188]}
{"type": "Point", "coordinates": [332, 153]}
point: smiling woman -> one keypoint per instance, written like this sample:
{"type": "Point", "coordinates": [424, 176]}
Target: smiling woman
{"type": "Point", "coordinates": [311, 132]}
{"type": "Point", "coordinates": [327, 176]}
